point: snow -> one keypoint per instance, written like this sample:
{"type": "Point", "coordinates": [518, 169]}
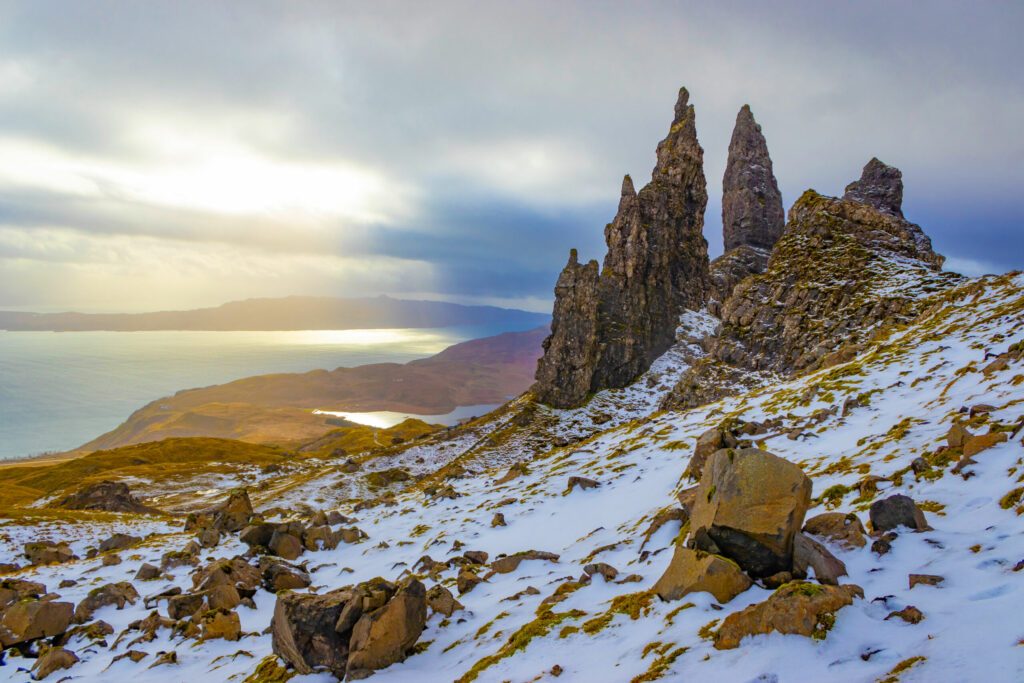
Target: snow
{"type": "Point", "coordinates": [972, 626]}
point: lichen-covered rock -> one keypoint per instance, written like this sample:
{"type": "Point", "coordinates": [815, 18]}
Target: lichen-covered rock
{"type": "Point", "coordinates": [220, 623]}
{"type": "Point", "coordinates": [230, 516]}
{"type": "Point", "coordinates": [234, 572]}
{"type": "Point", "coordinates": [51, 660]}
{"type": "Point", "coordinates": [840, 527]}
{"type": "Point", "coordinates": [509, 563]}
{"type": "Point", "coordinates": [108, 496]}
{"type": "Point", "coordinates": [896, 511]}
{"type": "Point", "coordinates": [694, 571]}
{"type": "Point", "coordinates": [808, 555]}
{"type": "Point", "coordinates": [608, 327]}
{"type": "Point", "coordinates": [801, 608]}
{"type": "Point", "coordinates": [48, 553]}
{"type": "Point", "coordinates": [749, 506]}
{"type": "Point", "coordinates": [31, 619]}
{"type": "Point", "coordinates": [119, 594]}
{"type": "Point", "coordinates": [118, 542]}
{"type": "Point", "coordinates": [13, 590]}
{"type": "Point", "coordinates": [279, 576]}
{"type": "Point", "coordinates": [730, 269]}
{"type": "Point", "coordinates": [440, 599]}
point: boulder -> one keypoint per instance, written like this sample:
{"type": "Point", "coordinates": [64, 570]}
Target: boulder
{"type": "Point", "coordinates": [749, 506]}
{"type": "Point", "coordinates": [809, 554]}
{"type": "Point", "coordinates": [147, 572]}
{"type": "Point", "coordinates": [467, 581]}
{"type": "Point", "coordinates": [257, 534]}
{"type": "Point", "coordinates": [108, 496]}
{"type": "Point", "coordinates": [476, 556]}
{"type": "Point", "coordinates": [119, 594]}
{"type": "Point", "coordinates": [235, 572]}
{"type": "Point", "coordinates": [909, 614]}
{"type": "Point", "coordinates": [30, 619]}
{"type": "Point", "coordinates": [441, 600]}
{"type": "Point", "coordinates": [118, 542]}
{"type": "Point", "coordinates": [799, 607]}
{"type": "Point", "coordinates": [980, 442]}
{"type": "Point", "coordinates": [924, 580]}
{"type": "Point", "coordinates": [230, 516]}
{"type": "Point", "coordinates": [53, 659]}
{"type": "Point", "coordinates": [608, 572]}
{"type": "Point", "coordinates": [13, 590]}
{"type": "Point", "coordinates": [208, 538]}
{"type": "Point", "coordinates": [285, 545]}
{"type": "Point", "coordinates": [957, 435]}
{"type": "Point", "coordinates": [223, 597]}
{"type": "Point", "coordinates": [844, 529]}
{"type": "Point", "coordinates": [320, 538]}
{"type": "Point", "coordinates": [47, 553]}
{"type": "Point", "coordinates": [386, 635]}
{"type": "Point", "coordinates": [582, 482]}
{"type": "Point", "coordinates": [183, 606]}
{"type": "Point", "coordinates": [707, 443]}
{"type": "Point", "coordinates": [694, 571]}
{"type": "Point", "coordinates": [220, 623]}
{"type": "Point", "coordinates": [509, 563]}
{"type": "Point", "coordinates": [498, 520]}
{"type": "Point", "coordinates": [279, 576]}
{"type": "Point", "coordinates": [896, 511]}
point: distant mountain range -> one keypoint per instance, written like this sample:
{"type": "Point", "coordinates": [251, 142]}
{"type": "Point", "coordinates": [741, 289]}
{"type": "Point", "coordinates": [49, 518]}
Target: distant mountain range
{"type": "Point", "coordinates": [288, 313]}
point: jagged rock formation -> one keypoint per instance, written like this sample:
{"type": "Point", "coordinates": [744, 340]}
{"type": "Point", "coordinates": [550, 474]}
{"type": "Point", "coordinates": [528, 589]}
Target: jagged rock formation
{"type": "Point", "coordinates": [842, 271]}
{"type": "Point", "coordinates": [752, 213]}
{"type": "Point", "coordinates": [656, 266]}
{"type": "Point", "coordinates": [880, 186]}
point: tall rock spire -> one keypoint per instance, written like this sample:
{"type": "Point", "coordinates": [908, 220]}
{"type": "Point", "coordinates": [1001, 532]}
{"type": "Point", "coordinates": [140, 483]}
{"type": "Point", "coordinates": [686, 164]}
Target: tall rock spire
{"type": "Point", "coordinates": [751, 203]}
{"type": "Point", "coordinates": [656, 266]}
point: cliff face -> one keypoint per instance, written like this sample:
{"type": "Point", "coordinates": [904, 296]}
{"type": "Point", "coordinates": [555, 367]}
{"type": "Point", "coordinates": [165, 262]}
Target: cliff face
{"type": "Point", "coordinates": [656, 266]}
{"type": "Point", "coordinates": [752, 214]}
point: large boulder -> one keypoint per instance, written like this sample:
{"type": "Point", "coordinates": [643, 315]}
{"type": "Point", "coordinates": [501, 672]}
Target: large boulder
{"type": "Point", "coordinates": [749, 506]}
{"type": "Point", "coordinates": [896, 511]}
{"type": "Point", "coordinates": [108, 496]}
{"type": "Point", "coordinates": [14, 590]}
{"type": "Point", "coordinates": [839, 527]}
{"type": "Point", "coordinates": [118, 594]}
{"type": "Point", "coordinates": [53, 659]}
{"type": "Point", "coordinates": [38, 552]}
{"type": "Point", "coordinates": [808, 554]}
{"type": "Point", "coordinates": [350, 631]}
{"type": "Point", "coordinates": [386, 635]}
{"type": "Point", "coordinates": [801, 608]}
{"type": "Point", "coordinates": [234, 514]}
{"type": "Point", "coordinates": [694, 571]}
{"type": "Point", "coordinates": [235, 572]}
{"type": "Point", "coordinates": [31, 619]}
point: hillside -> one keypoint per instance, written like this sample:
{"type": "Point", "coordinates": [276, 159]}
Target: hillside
{"type": "Point", "coordinates": [289, 313]}
{"type": "Point", "coordinates": [821, 480]}
{"type": "Point", "coordinates": [277, 409]}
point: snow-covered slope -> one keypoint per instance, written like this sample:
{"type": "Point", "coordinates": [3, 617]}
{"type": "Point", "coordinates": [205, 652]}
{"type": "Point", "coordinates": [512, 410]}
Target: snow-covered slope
{"type": "Point", "coordinates": [909, 386]}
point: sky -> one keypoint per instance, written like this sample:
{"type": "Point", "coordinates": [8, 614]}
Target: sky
{"type": "Point", "coordinates": [163, 154]}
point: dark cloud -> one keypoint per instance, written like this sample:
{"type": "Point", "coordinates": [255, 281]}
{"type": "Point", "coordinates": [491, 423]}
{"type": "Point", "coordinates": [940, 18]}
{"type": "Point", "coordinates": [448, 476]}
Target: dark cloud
{"type": "Point", "coordinates": [508, 126]}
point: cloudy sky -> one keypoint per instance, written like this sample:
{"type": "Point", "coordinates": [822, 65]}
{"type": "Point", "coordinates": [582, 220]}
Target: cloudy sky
{"type": "Point", "coordinates": [177, 154]}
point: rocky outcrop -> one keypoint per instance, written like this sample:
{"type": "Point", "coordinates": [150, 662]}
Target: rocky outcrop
{"type": "Point", "coordinates": [730, 269]}
{"type": "Point", "coordinates": [108, 496]}
{"type": "Point", "coordinates": [841, 273]}
{"type": "Point", "coordinates": [351, 631]}
{"type": "Point", "coordinates": [656, 266]}
{"type": "Point", "coordinates": [234, 514]}
{"type": "Point", "coordinates": [749, 506]}
{"type": "Point", "coordinates": [880, 186]}
{"type": "Point", "coordinates": [895, 512]}
{"type": "Point", "coordinates": [798, 607]}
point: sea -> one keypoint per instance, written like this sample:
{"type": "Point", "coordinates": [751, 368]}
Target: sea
{"type": "Point", "coordinates": [59, 390]}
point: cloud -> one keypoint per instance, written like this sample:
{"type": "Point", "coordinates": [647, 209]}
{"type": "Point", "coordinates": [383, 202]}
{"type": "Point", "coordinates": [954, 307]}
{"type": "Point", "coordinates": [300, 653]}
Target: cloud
{"type": "Point", "coordinates": [466, 145]}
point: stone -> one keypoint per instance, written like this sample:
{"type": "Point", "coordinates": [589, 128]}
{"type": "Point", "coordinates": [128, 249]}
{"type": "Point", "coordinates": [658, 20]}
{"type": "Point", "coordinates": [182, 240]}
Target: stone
{"type": "Point", "coordinates": [694, 571]}
{"type": "Point", "coordinates": [108, 496]}
{"type": "Point", "coordinates": [957, 435]}
{"type": "Point", "coordinates": [224, 596]}
{"type": "Point", "coordinates": [30, 619]}
{"type": "Point", "coordinates": [285, 545]}
{"type": "Point", "coordinates": [182, 606]}
{"type": "Point", "coordinates": [441, 600]}
{"type": "Point", "coordinates": [303, 631]}
{"type": "Point", "coordinates": [147, 572]}
{"type": "Point", "coordinates": [980, 442]}
{"type": "Point", "coordinates": [279, 576]}
{"type": "Point", "coordinates": [46, 553]}
{"type": "Point", "coordinates": [845, 529]}
{"type": "Point", "coordinates": [924, 579]}
{"type": "Point", "coordinates": [476, 556]}
{"type": "Point", "coordinates": [111, 560]}
{"type": "Point", "coordinates": [880, 186]}
{"type": "Point", "coordinates": [909, 614]}
{"type": "Point", "coordinates": [234, 514]}
{"type": "Point", "coordinates": [53, 659]}
{"type": "Point", "coordinates": [13, 590]}
{"type": "Point", "coordinates": [236, 572]}
{"type": "Point", "coordinates": [749, 506]}
{"type": "Point", "coordinates": [387, 635]}
{"type": "Point", "coordinates": [320, 538]}
{"type": "Point", "coordinates": [220, 623]}
{"type": "Point", "coordinates": [801, 608]}
{"type": "Point", "coordinates": [118, 542]}
{"type": "Point", "coordinates": [809, 554]}
{"type": "Point", "coordinates": [582, 482]}
{"type": "Point", "coordinates": [607, 571]}
{"type": "Point", "coordinates": [752, 213]}
{"type": "Point", "coordinates": [509, 563]}
{"type": "Point", "coordinates": [119, 594]}
{"type": "Point", "coordinates": [498, 520]}
{"type": "Point", "coordinates": [896, 511]}
{"type": "Point", "coordinates": [208, 538]}
{"type": "Point", "coordinates": [257, 534]}
{"type": "Point", "coordinates": [467, 581]}
{"type": "Point", "coordinates": [707, 443]}
{"type": "Point", "coordinates": [609, 325]}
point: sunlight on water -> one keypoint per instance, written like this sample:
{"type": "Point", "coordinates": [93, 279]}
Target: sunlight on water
{"type": "Point", "coordinates": [430, 338]}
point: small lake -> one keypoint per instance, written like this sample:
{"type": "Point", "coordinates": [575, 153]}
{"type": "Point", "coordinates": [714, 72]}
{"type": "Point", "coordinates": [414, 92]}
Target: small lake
{"type": "Point", "coordinates": [389, 418]}
{"type": "Point", "coordinates": [59, 390]}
